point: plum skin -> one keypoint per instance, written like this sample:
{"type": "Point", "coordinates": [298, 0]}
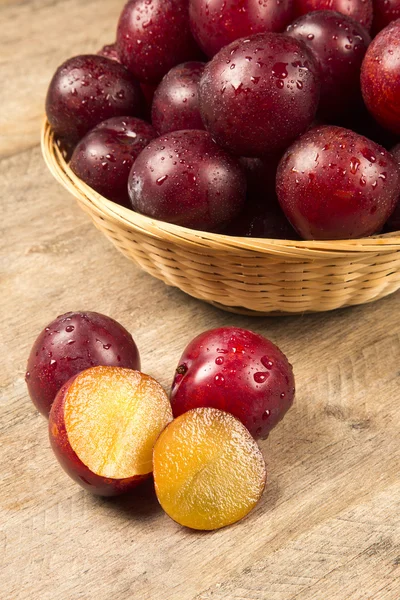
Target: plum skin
{"type": "Point", "coordinates": [385, 11]}
{"type": "Point", "coordinates": [88, 89]}
{"type": "Point", "coordinates": [359, 10]}
{"type": "Point", "coordinates": [258, 94]}
{"type": "Point", "coordinates": [71, 463]}
{"type": "Point", "coordinates": [176, 100]}
{"type": "Point", "coordinates": [104, 157]}
{"type": "Point", "coordinates": [380, 77]}
{"type": "Point", "coordinates": [339, 45]}
{"type": "Point", "coordinates": [335, 184]}
{"type": "Point", "coordinates": [237, 371]}
{"type": "Point", "coordinates": [393, 223]}
{"type": "Point", "coordinates": [70, 344]}
{"type": "Point", "coordinates": [184, 178]}
{"type": "Point", "coordinates": [217, 23]}
{"type": "Point", "coordinates": [109, 51]}
{"type": "Point", "coordinates": [153, 37]}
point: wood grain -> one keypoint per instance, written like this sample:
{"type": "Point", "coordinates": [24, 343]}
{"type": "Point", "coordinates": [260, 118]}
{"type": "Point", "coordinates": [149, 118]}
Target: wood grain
{"type": "Point", "coordinates": [328, 526]}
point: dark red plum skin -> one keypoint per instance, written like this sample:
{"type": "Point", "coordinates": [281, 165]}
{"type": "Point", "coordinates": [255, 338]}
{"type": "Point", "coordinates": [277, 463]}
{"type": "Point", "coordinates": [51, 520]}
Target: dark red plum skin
{"type": "Point", "coordinates": [380, 78]}
{"type": "Point", "coordinates": [359, 10]}
{"type": "Point", "coordinates": [154, 36]}
{"type": "Point", "coordinates": [385, 11]}
{"type": "Point", "coordinates": [86, 90]}
{"type": "Point", "coordinates": [237, 371]}
{"type": "Point", "coordinates": [70, 344]}
{"type": "Point", "coordinates": [110, 51]}
{"type": "Point", "coordinates": [258, 94]}
{"type": "Point", "coordinates": [335, 184]}
{"type": "Point", "coordinates": [104, 157]}
{"type": "Point", "coordinates": [176, 100]}
{"type": "Point", "coordinates": [72, 464]}
{"type": "Point", "coordinates": [339, 45]}
{"type": "Point", "coordinates": [260, 178]}
{"type": "Point", "coordinates": [269, 222]}
{"type": "Point", "coordinates": [393, 223]}
{"type": "Point", "coordinates": [217, 23]}
{"type": "Point", "coordinates": [184, 178]}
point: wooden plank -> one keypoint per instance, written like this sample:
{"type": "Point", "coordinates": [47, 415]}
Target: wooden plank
{"type": "Point", "coordinates": [328, 525]}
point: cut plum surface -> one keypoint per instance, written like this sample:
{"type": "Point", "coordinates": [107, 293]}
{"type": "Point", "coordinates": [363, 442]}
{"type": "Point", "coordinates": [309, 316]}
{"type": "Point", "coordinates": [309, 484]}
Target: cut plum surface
{"type": "Point", "coordinates": [103, 426]}
{"type": "Point", "coordinates": [208, 470]}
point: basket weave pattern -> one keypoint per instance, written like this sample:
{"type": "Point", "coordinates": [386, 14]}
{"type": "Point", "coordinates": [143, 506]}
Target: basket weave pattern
{"type": "Point", "coordinates": [244, 275]}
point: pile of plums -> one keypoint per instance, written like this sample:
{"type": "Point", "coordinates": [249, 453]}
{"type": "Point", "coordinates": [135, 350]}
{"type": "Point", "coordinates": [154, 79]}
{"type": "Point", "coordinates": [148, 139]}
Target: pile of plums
{"type": "Point", "coordinates": [111, 426]}
{"type": "Point", "coordinates": [269, 118]}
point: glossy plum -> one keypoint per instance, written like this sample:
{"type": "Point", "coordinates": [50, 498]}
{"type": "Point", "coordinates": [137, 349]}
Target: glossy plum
{"type": "Point", "coordinates": [268, 222]}
{"type": "Point", "coordinates": [103, 425]}
{"type": "Point", "coordinates": [339, 44]}
{"type": "Point", "coordinates": [260, 177]}
{"type": "Point", "coordinates": [104, 157]}
{"type": "Point", "coordinates": [110, 51]}
{"type": "Point", "coordinates": [259, 94]}
{"type": "Point", "coordinates": [237, 371]}
{"type": "Point", "coordinates": [153, 36]}
{"type": "Point", "coordinates": [335, 184]}
{"type": "Point", "coordinates": [71, 343]}
{"type": "Point", "coordinates": [359, 10]}
{"type": "Point", "coordinates": [176, 100]}
{"type": "Point", "coordinates": [380, 77]}
{"type": "Point", "coordinates": [385, 11]}
{"type": "Point", "coordinates": [86, 90]}
{"type": "Point", "coordinates": [217, 23]}
{"type": "Point", "coordinates": [184, 178]}
{"type": "Point", "coordinates": [393, 224]}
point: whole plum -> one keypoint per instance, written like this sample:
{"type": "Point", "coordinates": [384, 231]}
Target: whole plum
{"type": "Point", "coordinates": [237, 371]}
{"type": "Point", "coordinates": [71, 343]}
{"type": "Point", "coordinates": [217, 23]}
{"type": "Point", "coordinates": [335, 184]}
{"type": "Point", "coordinates": [110, 51]}
{"type": "Point", "coordinates": [153, 36]}
{"type": "Point", "coordinates": [359, 10]}
{"type": "Point", "coordinates": [385, 11]}
{"type": "Point", "coordinates": [176, 100]}
{"type": "Point", "coordinates": [268, 222]}
{"type": "Point", "coordinates": [380, 77]}
{"type": "Point", "coordinates": [393, 224]}
{"type": "Point", "coordinates": [104, 157]}
{"type": "Point", "coordinates": [339, 44]}
{"type": "Point", "coordinates": [184, 178]}
{"type": "Point", "coordinates": [258, 94]}
{"type": "Point", "coordinates": [86, 90]}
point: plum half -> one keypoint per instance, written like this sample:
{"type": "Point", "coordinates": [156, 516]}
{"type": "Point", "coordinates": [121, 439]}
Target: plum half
{"type": "Point", "coordinates": [103, 426]}
{"type": "Point", "coordinates": [237, 371]}
{"type": "Point", "coordinates": [86, 90]}
{"type": "Point", "coordinates": [208, 470]}
{"type": "Point", "coordinates": [258, 94]}
{"type": "Point", "coordinates": [184, 178]}
{"type": "Point", "coordinates": [335, 184]}
{"type": "Point", "coordinates": [217, 23]}
{"type": "Point", "coordinates": [71, 343]}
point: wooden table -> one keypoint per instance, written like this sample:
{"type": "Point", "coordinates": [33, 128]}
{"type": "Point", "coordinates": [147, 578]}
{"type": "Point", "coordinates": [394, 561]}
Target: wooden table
{"type": "Point", "coordinates": [328, 526]}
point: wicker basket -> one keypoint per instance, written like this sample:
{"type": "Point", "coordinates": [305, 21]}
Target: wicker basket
{"type": "Point", "coordinates": [243, 275]}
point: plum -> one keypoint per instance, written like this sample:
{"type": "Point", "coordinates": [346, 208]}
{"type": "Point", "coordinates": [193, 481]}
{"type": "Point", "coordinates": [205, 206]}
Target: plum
{"type": "Point", "coordinates": [385, 11]}
{"type": "Point", "coordinates": [335, 184]}
{"type": "Point", "coordinates": [216, 23]}
{"type": "Point", "coordinates": [380, 77]}
{"type": "Point", "coordinates": [176, 100]}
{"type": "Point", "coordinates": [184, 178]}
{"type": "Point", "coordinates": [103, 425]}
{"type": "Point", "coordinates": [259, 94]}
{"type": "Point", "coordinates": [237, 371]}
{"type": "Point", "coordinates": [260, 177]}
{"type": "Point", "coordinates": [339, 44]}
{"type": "Point", "coordinates": [88, 89]}
{"type": "Point", "coordinates": [104, 157]}
{"type": "Point", "coordinates": [71, 343]}
{"type": "Point", "coordinates": [359, 10]}
{"type": "Point", "coordinates": [208, 470]}
{"type": "Point", "coordinates": [393, 224]}
{"type": "Point", "coordinates": [153, 36]}
{"type": "Point", "coordinates": [110, 51]}
{"type": "Point", "coordinates": [268, 222]}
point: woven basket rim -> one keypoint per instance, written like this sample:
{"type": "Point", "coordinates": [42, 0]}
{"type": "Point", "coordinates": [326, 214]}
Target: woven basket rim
{"type": "Point", "coordinates": [124, 217]}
